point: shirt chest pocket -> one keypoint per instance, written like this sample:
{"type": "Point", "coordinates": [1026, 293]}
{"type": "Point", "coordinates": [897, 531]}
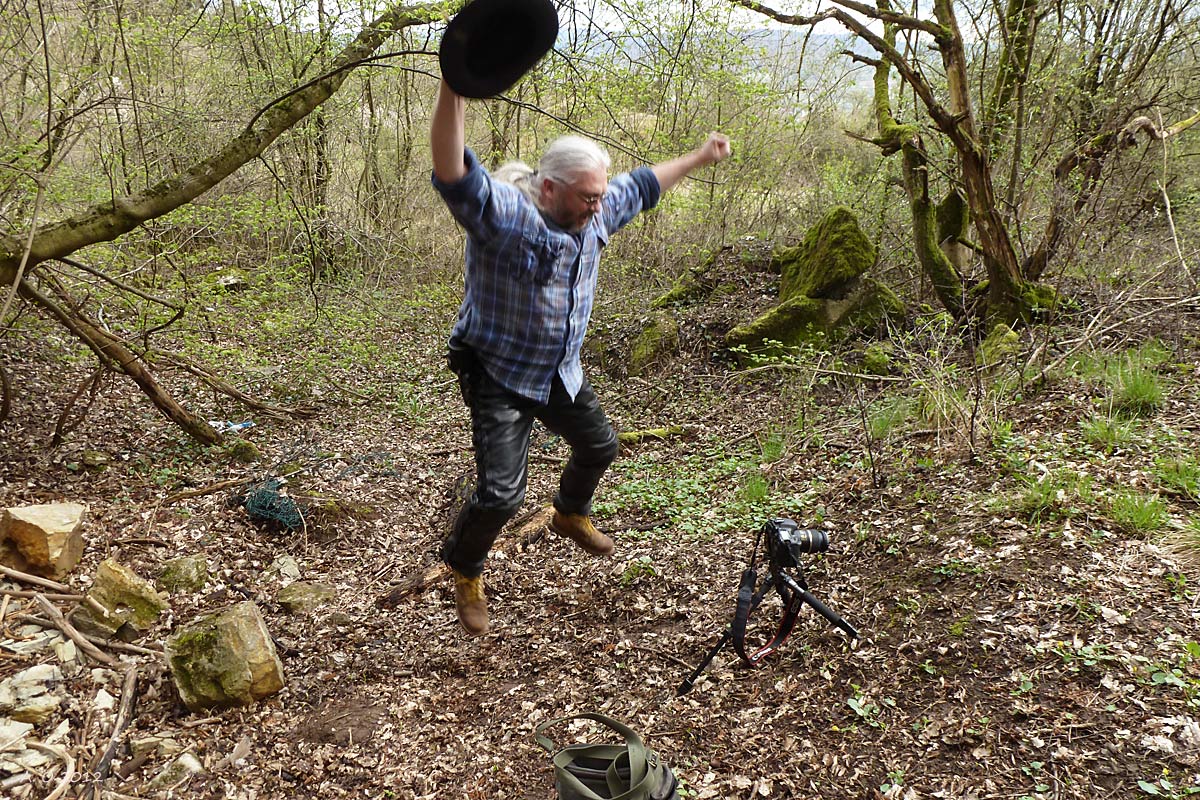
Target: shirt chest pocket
{"type": "Point", "coordinates": [538, 259]}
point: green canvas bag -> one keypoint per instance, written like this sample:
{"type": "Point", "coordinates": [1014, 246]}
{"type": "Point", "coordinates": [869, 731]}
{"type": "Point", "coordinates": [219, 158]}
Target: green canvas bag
{"type": "Point", "coordinates": [629, 771]}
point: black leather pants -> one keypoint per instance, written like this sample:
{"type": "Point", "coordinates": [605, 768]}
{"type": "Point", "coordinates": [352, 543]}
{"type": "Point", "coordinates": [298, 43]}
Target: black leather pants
{"type": "Point", "coordinates": [501, 422]}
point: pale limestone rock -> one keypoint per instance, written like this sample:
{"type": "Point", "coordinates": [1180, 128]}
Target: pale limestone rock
{"type": "Point", "coordinates": [177, 773]}
{"type": "Point", "coordinates": [43, 539]}
{"type": "Point", "coordinates": [32, 695]}
{"type": "Point", "coordinates": [184, 574]}
{"type": "Point", "coordinates": [225, 659]}
{"type": "Point", "coordinates": [132, 603]}
{"type": "Point", "coordinates": [303, 597]}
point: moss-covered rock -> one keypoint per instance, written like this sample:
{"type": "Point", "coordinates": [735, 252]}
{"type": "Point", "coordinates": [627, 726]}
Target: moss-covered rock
{"type": "Point", "coordinates": [877, 358]}
{"type": "Point", "coordinates": [184, 574]}
{"type": "Point", "coordinates": [833, 254]}
{"type": "Point", "coordinates": [1038, 301]}
{"type": "Point", "coordinates": [242, 451]}
{"type": "Point", "coordinates": [131, 603]}
{"type": "Point", "coordinates": [868, 308]}
{"type": "Point", "coordinates": [800, 320]}
{"type": "Point", "coordinates": [225, 659]}
{"type": "Point", "coordinates": [659, 338]}
{"type": "Point", "coordinates": [691, 287]}
{"type": "Point", "coordinates": [1000, 345]}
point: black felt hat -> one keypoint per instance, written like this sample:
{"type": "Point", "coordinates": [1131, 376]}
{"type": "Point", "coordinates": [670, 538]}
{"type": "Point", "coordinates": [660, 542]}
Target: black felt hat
{"type": "Point", "coordinates": [490, 44]}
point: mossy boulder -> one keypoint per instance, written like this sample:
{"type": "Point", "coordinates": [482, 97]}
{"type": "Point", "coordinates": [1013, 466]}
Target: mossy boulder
{"type": "Point", "coordinates": [800, 320]}
{"type": "Point", "coordinates": [242, 451]}
{"type": "Point", "coordinates": [225, 659]}
{"type": "Point", "coordinates": [1038, 301]}
{"type": "Point", "coordinates": [659, 338]}
{"type": "Point", "coordinates": [806, 320]}
{"type": "Point", "coordinates": [1000, 345]}
{"type": "Point", "coordinates": [184, 574]}
{"type": "Point", "coordinates": [869, 307]}
{"type": "Point", "coordinates": [834, 253]}
{"type": "Point", "coordinates": [691, 287]}
{"type": "Point", "coordinates": [877, 358]}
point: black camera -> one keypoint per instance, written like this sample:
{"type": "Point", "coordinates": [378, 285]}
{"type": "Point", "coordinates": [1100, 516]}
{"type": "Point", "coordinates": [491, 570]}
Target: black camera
{"type": "Point", "coordinates": [787, 541]}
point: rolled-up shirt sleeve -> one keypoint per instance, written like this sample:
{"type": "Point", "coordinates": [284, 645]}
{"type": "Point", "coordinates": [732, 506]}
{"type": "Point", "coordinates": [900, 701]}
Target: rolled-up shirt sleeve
{"type": "Point", "coordinates": [472, 199]}
{"type": "Point", "coordinates": [629, 194]}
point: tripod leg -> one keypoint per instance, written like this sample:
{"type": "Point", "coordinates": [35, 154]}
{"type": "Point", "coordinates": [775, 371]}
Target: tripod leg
{"type": "Point", "coordinates": [828, 613]}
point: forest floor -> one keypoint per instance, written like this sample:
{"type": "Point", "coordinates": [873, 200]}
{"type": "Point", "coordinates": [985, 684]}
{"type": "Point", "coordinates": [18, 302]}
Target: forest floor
{"type": "Point", "coordinates": [1018, 561]}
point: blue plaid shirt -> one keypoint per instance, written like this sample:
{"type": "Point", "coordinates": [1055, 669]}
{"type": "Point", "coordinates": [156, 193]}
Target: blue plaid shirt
{"type": "Point", "coordinates": [529, 283]}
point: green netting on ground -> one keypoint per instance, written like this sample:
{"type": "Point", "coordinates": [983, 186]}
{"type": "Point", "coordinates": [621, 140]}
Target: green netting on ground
{"type": "Point", "coordinates": [265, 504]}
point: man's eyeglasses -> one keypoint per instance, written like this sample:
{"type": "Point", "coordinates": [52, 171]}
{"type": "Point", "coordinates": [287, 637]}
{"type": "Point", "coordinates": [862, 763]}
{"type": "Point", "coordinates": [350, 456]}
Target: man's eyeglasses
{"type": "Point", "coordinates": [587, 199]}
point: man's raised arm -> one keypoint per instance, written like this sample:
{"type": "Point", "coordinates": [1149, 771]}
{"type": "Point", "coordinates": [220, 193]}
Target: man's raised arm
{"type": "Point", "coordinates": [447, 135]}
{"type": "Point", "coordinates": [672, 172]}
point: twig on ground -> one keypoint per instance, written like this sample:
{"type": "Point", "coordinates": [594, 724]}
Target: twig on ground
{"type": "Point", "coordinates": [656, 652]}
{"type": "Point", "coordinates": [111, 644]}
{"type": "Point", "coordinates": [67, 777]}
{"type": "Point", "coordinates": [203, 490]}
{"type": "Point", "coordinates": [48, 595]}
{"type": "Point", "coordinates": [25, 577]}
{"type": "Point", "coordinates": [78, 638]}
{"type": "Point", "coordinates": [99, 768]}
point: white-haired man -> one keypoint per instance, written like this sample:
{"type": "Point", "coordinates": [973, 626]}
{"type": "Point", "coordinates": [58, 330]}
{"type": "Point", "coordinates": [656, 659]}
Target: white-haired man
{"type": "Point", "coordinates": [533, 250]}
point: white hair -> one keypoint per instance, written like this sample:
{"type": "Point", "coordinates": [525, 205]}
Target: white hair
{"type": "Point", "coordinates": [564, 160]}
{"type": "Point", "coordinates": [519, 174]}
{"type": "Point", "coordinates": [568, 156]}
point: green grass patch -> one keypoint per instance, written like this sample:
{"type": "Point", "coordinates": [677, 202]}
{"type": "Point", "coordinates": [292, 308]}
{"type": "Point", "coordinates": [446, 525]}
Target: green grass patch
{"type": "Point", "coordinates": [701, 495]}
{"type": "Point", "coordinates": [1179, 475]}
{"type": "Point", "coordinates": [1108, 433]}
{"type": "Point", "coordinates": [1138, 514]}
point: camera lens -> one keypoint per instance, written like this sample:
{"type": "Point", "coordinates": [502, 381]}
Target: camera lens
{"type": "Point", "coordinates": [811, 540]}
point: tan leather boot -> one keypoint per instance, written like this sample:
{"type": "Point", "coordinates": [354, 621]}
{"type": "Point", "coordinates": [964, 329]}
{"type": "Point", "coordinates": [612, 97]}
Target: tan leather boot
{"type": "Point", "coordinates": [580, 530]}
{"type": "Point", "coordinates": [471, 604]}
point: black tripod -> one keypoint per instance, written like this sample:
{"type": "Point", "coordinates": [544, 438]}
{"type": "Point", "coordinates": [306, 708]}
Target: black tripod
{"type": "Point", "coordinates": [783, 548]}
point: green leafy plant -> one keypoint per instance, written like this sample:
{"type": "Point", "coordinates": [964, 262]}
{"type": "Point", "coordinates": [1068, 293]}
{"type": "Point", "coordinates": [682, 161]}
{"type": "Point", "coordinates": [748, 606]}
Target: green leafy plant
{"type": "Point", "coordinates": [1165, 787]}
{"type": "Point", "coordinates": [867, 710]}
{"type": "Point", "coordinates": [637, 568]}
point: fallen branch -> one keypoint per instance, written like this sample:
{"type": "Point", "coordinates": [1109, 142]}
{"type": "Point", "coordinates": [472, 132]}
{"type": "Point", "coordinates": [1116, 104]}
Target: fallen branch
{"type": "Point", "coordinates": [48, 595]}
{"type": "Point", "coordinates": [25, 577]}
{"type": "Point", "coordinates": [68, 629]}
{"type": "Point", "coordinates": [111, 644]}
{"type": "Point", "coordinates": [212, 487]}
{"type": "Point", "coordinates": [630, 438]}
{"type": "Point", "coordinates": [528, 532]}
{"type": "Point", "coordinates": [66, 779]}
{"type": "Point", "coordinates": [100, 768]}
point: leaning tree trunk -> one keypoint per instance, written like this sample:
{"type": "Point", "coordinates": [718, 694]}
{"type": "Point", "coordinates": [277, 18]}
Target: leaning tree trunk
{"type": "Point", "coordinates": [107, 221]}
{"type": "Point", "coordinates": [942, 273]}
{"type": "Point", "coordinates": [1005, 283]}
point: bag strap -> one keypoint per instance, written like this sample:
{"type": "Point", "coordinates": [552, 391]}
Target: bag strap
{"type": "Point", "coordinates": [633, 743]}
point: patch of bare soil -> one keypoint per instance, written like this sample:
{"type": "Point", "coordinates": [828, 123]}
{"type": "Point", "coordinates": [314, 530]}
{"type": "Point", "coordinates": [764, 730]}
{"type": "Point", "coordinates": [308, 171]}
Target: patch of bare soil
{"type": "Point", "coordinates": [1001, 655]}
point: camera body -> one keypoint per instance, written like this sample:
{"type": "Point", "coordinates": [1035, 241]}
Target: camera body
{"type": "Point", "coordinates": [787, 542]}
